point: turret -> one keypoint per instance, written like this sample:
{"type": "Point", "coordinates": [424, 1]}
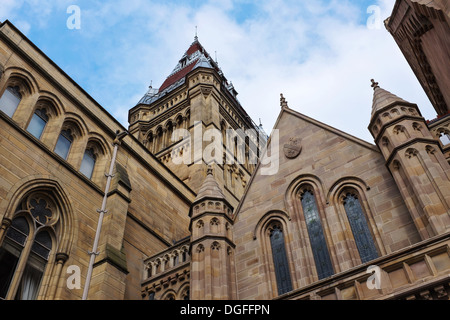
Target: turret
{"type": "Point", "coordinates": [415, 160]}
{"type": "Point", "coordinates": [212, 246]}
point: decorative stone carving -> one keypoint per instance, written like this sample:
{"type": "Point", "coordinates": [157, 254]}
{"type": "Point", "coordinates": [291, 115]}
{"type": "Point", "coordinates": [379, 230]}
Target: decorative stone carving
{"type": "Point", "coordinates": [292, 149]}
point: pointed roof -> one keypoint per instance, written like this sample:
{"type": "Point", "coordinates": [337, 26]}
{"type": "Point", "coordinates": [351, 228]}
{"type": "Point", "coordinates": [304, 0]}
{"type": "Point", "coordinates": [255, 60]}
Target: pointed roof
{"type": "Point", "coordinates": [383, 98]}
{"type": "Point", "coordinates": [210, 188]}
{"type": "Point", "coordinates": [195, 57]}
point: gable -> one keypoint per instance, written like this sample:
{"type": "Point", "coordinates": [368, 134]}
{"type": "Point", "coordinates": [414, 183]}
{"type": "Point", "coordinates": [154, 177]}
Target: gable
{"type": "Point", "coordinates": [326, 153]}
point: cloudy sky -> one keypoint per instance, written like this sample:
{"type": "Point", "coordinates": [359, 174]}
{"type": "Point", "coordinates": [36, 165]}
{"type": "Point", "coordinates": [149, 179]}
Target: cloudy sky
{"type": "Point", "coordinates": [321, 54]}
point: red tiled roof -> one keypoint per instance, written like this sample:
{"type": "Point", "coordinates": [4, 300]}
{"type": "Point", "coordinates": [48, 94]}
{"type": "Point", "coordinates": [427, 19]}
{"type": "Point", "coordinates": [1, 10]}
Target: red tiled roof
{"type": "Point", "coordinates": [196, 46]}
{"type": "Point", "coordinates": [177, 76]}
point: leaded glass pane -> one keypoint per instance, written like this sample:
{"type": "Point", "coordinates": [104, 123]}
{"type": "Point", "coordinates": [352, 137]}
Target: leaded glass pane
{"type": "Point", "coordinates": [18, 231]}
{"type": "Point", "coordinates": [37, 123]}
{"type": "Point", "coordinates": [361, 233]}
{"type": "Point", "coordinates": [42, 244]}
{"type": "Point", "coordinates": [10, 100]}
{"type": "Point", "coordinates": [316, 236]}
{"type": "Point", "coordinates": [280, 261]}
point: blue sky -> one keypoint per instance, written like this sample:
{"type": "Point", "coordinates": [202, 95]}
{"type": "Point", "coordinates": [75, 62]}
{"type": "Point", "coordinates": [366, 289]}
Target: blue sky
{"type": "Point", "coordinates": [320, 54]}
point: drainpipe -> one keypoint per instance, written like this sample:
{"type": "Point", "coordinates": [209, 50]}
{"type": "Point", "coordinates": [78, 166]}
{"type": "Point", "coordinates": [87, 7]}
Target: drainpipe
{"type": "Point", "coordinates": [102, 211]}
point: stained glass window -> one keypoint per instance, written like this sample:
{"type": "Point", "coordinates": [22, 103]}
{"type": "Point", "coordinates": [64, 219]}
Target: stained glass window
{"type": "Point", "coordinates": [280, 260]}
{"type": "Point", "coordinates": [361, 233]}
{"type": "Point", "coordinates": [316, 236]}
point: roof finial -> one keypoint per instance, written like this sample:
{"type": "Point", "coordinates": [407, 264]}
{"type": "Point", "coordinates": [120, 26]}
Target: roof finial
{"type": "Point", "coordinates": [374, 84]}
{"type": "Point", "coordinates": [196, 37]}
{"type": "Point", "coordinates": [283, 102]}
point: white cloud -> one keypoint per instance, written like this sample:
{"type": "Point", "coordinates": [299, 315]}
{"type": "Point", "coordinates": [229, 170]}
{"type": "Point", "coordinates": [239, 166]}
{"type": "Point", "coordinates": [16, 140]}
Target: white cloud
{"type": "Point", "coordinates": [315, 52]}
{"type": "Point", "coordinates": [8, 7]}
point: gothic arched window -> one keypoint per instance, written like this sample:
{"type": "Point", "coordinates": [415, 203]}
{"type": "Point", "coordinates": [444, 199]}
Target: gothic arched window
{"type": "Point", "coordinates": [64, 143]}
{"type": "Point", "coordinates": [88, 163]}
{"type": "Point", "coordinates": [23, 260]}
{"type": "Point", "coordinates": [38, 122]}
{"type": "Point", "coordinates": [360, 228]}
{"type": "Point", "coordinates": [10, 100]}
{"type": "Point", "coordinates": [316, 236]}
{"type": "Point", "coordinates": [10, 252]}
{"type": "Point", "coordinates": [280, 260]}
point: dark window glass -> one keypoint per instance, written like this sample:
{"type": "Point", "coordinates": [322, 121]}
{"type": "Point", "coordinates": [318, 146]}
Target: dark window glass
{"type": "Point", "coordinates": [64, 142]}
{"type": "Point", "coordinates": [9, 256]}
{"type": "Point", "coordinates": [186, 295]}
{"type": "Point", "coordinates": [280, 261]}
{"type": "Point", "coordinates": [361, 233]}
{"type": "Point", "coordinates": [18, 231]}
{"type": "Point", "coordinates": [88, 163]}
{"type": "Point", "coordinates": [40, 211]}
{"type": "Point", "coordinates": [316, 236]}
{"type": "Point", "coordinates": [38, 122]}
{"type": "Point", "coordinates": [42, 244]}
{"type": "Point", "coordinates": [10, 252]}
{"type": "Point", "coordinates": [34, 270]}
{"type": "Point", "coordinates": [31, 279]}
{"type": "Point", "coordinates": [151, 296]}
{"type": "Point", "coordinates": [10, 100]}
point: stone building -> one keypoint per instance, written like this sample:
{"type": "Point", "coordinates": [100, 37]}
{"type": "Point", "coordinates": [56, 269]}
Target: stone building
{"type": "Point", "coordinates": [421, 28]}
{"type": "Point", "coordinates": [195, 209]}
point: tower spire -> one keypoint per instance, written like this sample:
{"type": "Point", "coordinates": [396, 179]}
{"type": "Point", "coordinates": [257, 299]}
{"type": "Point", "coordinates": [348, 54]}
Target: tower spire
{"type": "Point", "coordinates": [383, 98]}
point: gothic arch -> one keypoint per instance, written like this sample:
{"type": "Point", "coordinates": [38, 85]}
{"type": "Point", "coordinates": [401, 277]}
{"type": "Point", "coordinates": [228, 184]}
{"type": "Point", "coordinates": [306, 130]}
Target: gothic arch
{"type": "Point", "coordinates": [96, 147]}
{"type": "Point", "coordinates": [48, 98]}
{"type": "Point", "coordinates": [386, 145]}
{"type": "Point", "coordinates": [280, 214]}
{"type": "Point", "coordinates": [77, 122]}
{"type": "Point", "coordinates": [349, 180]}
{"type": "Point", "coordinates": [401, 129]}
{"type": "Point", "coordinates": [45, 184]}
{"type": "Point", "coordinates": [272, 220]}
{"type": "Point", "coordinates": [337, 194]}
{"type": "Point", "coordinates": [178, 121]}
{"type": "Point", "coordinates": [100, 143]}
{"type": "Point", "coordinates": [23, 76]}
{"type": "Point", "coordinates": [169, 295]}
{"type": "Point", "coordinates": [183, 292]}
{"type": "Point", "coordinates": [294, 186]}
{"type": "Point", "coordinates": [322, 241]}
